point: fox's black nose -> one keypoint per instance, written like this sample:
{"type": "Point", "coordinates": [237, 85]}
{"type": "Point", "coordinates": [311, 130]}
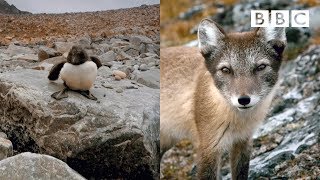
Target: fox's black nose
{"type": "Point", "coordinates": [244, 100]}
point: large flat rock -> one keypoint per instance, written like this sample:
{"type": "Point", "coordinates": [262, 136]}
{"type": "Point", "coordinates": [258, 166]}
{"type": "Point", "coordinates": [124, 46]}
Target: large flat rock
{"type": "Point", "coordinates": [108, 138]}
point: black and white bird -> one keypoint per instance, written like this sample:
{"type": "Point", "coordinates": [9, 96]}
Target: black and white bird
{"type": "Point", "coordinates": [78, 73]}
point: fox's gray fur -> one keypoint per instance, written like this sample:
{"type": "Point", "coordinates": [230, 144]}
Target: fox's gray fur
{"type": "Point", "coordinates": [217, 94]}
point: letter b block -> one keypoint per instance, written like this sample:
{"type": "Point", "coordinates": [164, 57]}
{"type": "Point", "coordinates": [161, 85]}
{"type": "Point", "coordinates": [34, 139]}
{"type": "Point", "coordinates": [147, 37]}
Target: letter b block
{"type": "Point", "coordinates": [280, 18]}
{"type": "Point", "coordinates": [259, 18]}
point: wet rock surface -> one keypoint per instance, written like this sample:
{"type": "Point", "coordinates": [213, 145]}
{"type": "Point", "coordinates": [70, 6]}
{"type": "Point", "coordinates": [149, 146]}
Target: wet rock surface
{"type": "Point", "coordinates": [114, 137]}
{"type": "Point", "coordinates": [287, 145]}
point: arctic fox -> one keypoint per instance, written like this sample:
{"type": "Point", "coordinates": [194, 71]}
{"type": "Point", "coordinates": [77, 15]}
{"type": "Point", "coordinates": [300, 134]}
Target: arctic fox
{"type": "Point", "coordinates": [216, 95]}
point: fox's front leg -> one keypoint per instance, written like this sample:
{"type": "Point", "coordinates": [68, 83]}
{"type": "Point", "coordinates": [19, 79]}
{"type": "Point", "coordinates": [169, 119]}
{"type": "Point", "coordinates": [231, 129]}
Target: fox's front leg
{"type": "Point", "coordinates": [209, 164]}
{"type": "Point", "coordinates": [239, 159]}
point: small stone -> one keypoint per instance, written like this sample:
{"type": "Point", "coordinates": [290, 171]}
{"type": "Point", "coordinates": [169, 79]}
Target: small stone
{"type": "Point", "coordinates": [131, 87]}
{"type": "Point", "coordinates": [117, 78]}
{"type": "Point", "coordinates": [65, 55]}
{"type": "Point", "coordinates": [136, 67]}
{"type": "Point", "coordinates": [132, 52]}
{"type": "Point", "coordinates": [142, 48]}
{"type": "Point", "coordinates": [147, 60]}
{"type": "Point", "coordinates": [3, 135]}
{"type": "Point", "coordinates": [119, 90]}
{"type": "Point", "coordinates": [9, 38]}
{"type": "Point", "coordinates": [135, 83]}
{"type": "Point", "coordinates": [121, 74]}
{"type": "Point", "coordinates": [121, 56]}
{"type": "Point", "coordinates": [18, 68]}
{"type": "Point", "coordinates": [151, 64]}
{"type": "Point", "coordinates": [85, 41]}
{"type": "Point", "coordinates": [42, 55]}
{"type": "Point", "coordinates": [6, 148]}
{"type": "Point", "coordinates": [107, 57]}
{"type": "Point", "coordinates": [45, 53]}
{"type": "Point", "coordinates": [143, 55]}
{"type": "Point", "coordinates": [135, 41]}
{"type": "Point", "coordinates": [278, 138]}
{"type": "Point", "coordinates": [109, 64]}
{"type": "Point", "coordinates": [130, 63]}
{"type": "Point", "coordinates": [108, 86]}
{"type": "Point", "coordinates": [143, 67]}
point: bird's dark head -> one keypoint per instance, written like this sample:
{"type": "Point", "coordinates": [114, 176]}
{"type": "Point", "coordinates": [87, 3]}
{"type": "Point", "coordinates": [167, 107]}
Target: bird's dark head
{"type": "Point", "coordinates": [77, 55]}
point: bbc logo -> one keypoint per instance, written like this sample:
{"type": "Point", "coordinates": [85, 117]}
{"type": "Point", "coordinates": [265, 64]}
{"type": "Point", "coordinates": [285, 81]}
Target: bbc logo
{"type": "Point", "coordinates": [279, 18]}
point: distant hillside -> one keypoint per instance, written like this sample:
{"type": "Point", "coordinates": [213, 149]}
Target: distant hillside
{"type": "Point", "coordinates": [5, 8]}
{"type": "Point", "coordinates": [36, 28]}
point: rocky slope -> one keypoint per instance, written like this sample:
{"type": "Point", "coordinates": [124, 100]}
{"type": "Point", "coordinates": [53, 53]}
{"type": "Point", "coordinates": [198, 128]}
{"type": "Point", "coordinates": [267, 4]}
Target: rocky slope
{"type": "Point", "coordinates": [114, 137]}
{"type": "Point", "coordinates": [45, 28]}
{"type": "Point", "coordinates": [5, 8]}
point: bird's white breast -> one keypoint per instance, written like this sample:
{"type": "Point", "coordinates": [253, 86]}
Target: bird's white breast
{"type": "Point", "coordinates": [79, 77]}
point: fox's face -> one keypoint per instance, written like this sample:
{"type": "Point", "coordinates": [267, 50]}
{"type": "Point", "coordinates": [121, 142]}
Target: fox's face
{"type": "Point", "coordinates": [244, 66]}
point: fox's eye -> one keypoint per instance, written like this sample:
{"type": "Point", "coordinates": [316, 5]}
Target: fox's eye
{"type": "Point", "coordinates": [226, 70]}
{"type": "Point", "coordinates": [261, 67]}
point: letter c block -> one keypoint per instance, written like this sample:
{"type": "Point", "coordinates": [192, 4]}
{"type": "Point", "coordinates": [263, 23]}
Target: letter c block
{"type": "Point", "coordinates": [300, 18]}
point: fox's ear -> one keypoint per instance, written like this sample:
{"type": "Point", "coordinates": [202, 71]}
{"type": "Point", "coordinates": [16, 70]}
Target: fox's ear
{"type": "Point", "coordinates": [274, 36]}
{"type": "Point", "coordinates": [210, 34]}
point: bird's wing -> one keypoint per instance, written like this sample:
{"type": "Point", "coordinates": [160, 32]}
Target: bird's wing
{"type": "Point", "coordinates": [96, 60]}
{"type": "Point", "coordinates": [55, 71]}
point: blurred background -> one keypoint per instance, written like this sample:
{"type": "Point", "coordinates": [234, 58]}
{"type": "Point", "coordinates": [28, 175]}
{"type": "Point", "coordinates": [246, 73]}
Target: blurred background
{"type": "Point", "coordinates": [180, 18]}
{"type": "Point", "coordinates": [286, 146]}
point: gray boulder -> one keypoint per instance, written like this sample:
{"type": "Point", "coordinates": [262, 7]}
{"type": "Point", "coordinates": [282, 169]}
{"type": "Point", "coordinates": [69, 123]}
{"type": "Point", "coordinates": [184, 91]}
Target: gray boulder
{"type": "Point", "coordinates": [14, 49]}
{"type": "Point", "coordinates": [46, 53]}
{"type": "Point", "coordinates": [63, 47]}
{"type": "Point", "coordinates": [99, 139]}
{"type": "Point", "coordinates": [132, 50]}
{"type": "Point", "coordinates": [137, 39]}
{"type": "Point", "coordinates": [35, 167]}
{"type": "Point", "coordinates": [107, 57]}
